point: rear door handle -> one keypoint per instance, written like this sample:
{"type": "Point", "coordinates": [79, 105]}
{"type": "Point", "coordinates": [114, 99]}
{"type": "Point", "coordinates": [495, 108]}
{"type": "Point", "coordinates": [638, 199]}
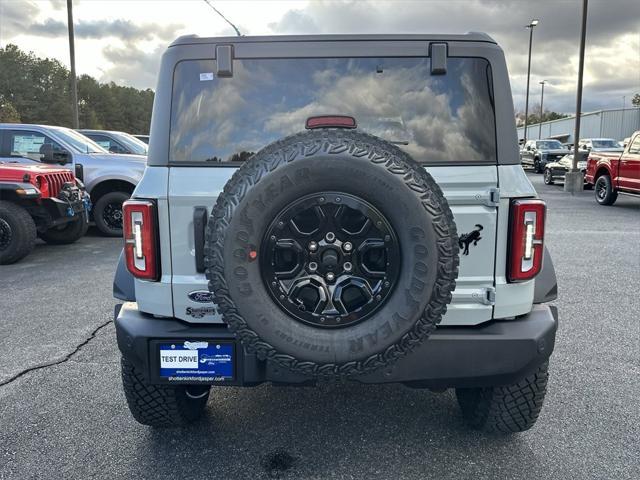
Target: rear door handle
{"type": "Point", "coordinates": [199, 226]}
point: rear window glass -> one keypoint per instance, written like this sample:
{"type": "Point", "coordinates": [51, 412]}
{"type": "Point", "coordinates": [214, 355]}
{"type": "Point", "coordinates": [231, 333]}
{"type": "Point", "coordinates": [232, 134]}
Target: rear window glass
{"type": "Point", "coordinates": [435, 118]}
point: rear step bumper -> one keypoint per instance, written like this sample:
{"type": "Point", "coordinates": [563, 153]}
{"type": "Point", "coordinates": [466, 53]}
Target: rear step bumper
{"type": "Point", "coordinates": [496, 353]}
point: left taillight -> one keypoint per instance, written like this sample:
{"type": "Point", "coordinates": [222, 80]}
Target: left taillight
{"type": "Point", "coordinates": [141, 238]}
{"type": "Point", "coordinates": [526, 244]}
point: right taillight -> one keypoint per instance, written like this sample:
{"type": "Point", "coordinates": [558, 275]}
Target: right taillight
{"type": "Point", "coordinates": [526, 248]}
{"type": "Point", "coordinates": [140, 238]}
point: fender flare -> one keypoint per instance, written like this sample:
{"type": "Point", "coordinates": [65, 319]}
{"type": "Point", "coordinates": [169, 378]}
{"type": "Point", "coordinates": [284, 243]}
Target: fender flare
{"type": "Point", "coordinates": [546, 286]}
{"type": "Point", "coordinates": [123, 286]}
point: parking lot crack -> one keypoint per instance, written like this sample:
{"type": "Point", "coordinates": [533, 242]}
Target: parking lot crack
{"type": "Point", "coordinates": [58, 361]}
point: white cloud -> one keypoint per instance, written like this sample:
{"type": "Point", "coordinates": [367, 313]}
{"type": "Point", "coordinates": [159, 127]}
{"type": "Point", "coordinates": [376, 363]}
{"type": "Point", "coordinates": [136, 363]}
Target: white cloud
{"type": "Point", "coordinates": [613, 51]}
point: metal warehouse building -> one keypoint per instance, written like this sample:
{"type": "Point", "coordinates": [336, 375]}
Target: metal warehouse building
{"type": "Point", "coordinates": [618, 123]}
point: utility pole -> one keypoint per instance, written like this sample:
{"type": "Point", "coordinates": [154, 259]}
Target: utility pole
{"type": "Point", "coordinates": [533, 23]}
{"type": "Point", "coordinates": [573, 182]}
{"type": "Point", "coordinates": [541, 110]}
{"type": "Point", "coordinates": [72, 54]}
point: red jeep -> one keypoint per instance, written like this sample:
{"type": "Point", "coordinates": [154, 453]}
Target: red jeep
{"type": "Point", "coordinates": [39, 200]}
{"type": "Point", "coordinates": [614, 172]}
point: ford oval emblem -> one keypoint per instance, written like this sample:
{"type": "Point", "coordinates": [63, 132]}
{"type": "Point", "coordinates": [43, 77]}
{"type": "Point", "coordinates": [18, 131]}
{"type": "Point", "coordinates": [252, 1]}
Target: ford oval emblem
{"type": "Point", "coordinates": [201, 296]}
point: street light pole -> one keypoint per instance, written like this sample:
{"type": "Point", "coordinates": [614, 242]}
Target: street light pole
{"type": "Point", "coordinates": [533, 23]}
{"type": "Point", "coordinates": [72, 54]}
{"type": "Point", "coordinates": [573, 181]}
{"type": "Point", "coordinates": [541, 110]}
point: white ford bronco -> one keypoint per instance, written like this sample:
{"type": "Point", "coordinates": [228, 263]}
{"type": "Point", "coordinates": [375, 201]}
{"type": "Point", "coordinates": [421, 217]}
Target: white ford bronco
{"type": "Point", "coordinates": [335, 207]}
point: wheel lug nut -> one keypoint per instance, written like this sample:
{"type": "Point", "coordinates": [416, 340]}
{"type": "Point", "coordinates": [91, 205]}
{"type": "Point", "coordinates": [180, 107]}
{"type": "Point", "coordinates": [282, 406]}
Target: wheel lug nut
{"type": "Point", "coordinates": [330, 237]}
{"type": "Point", "coordinates": [347, 266]}
{"type": "Point", "coordinates": [347, 246]}
{"type": "Point", "coordinates": [313, 246]}
{"type": "Point", "coordinates": [313, 266]}
{"type": "Point", "coordinates": [331, 277]}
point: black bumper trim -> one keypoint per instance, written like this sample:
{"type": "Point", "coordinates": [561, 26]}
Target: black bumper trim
{"type": "Point", "coordinates": [496, 353]}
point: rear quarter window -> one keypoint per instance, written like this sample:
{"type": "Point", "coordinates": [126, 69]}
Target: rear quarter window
{"type": "Point", "coordinates": [435, 118]}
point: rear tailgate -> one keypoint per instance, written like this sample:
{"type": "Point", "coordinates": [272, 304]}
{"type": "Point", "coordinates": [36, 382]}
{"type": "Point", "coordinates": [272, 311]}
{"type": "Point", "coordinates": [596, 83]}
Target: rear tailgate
{"type": "Point", "coordinates": [471, 192]}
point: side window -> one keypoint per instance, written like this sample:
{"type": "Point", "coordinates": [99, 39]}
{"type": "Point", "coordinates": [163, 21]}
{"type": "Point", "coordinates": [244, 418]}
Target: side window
{"type": "Point", "coordinates": [106, 143]}
{"type": "Point", "coordinates": [31, 144]}
{"type": "Point", "coordinates": [634, 149]}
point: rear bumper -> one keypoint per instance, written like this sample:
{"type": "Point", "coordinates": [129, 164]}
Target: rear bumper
{"type": "Point", "coordinates": [497, 353]}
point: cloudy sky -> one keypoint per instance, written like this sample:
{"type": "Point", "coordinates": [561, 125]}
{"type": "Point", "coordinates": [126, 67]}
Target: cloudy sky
{"type": "Point", "coordinates": [122, 40]}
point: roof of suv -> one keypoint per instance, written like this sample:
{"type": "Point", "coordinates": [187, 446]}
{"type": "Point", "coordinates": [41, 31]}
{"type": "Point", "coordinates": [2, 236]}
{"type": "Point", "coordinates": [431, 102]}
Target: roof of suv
{"type": "Point", "coordinates": [465, 37]}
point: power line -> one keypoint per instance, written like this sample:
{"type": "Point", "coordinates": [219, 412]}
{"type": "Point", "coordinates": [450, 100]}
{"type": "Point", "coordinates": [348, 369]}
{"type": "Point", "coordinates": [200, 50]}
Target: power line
{"type": "Point", "coordinates": [223, 17]}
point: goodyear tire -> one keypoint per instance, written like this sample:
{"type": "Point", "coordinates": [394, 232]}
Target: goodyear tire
{"type": "Point", "coordinates": [357, 166]}
{"type": "Point", "coordinates": [67, 233]}
{"type": "Point", "coordinates": [17, 233]}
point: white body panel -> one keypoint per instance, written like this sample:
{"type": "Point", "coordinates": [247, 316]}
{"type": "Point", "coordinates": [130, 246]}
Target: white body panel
{"type": "Point", "coordinates": [482, 291]}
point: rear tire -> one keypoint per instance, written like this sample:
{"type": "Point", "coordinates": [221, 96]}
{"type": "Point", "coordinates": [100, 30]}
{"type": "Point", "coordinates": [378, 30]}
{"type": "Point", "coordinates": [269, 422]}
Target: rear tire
{"type": "Point", "coordinates": [17, 233]}
{"type": "Point", "coordinates": [107, 213]}
{"type": "Point", "coordinates": [162, 405]}
{"type": "Point", "coordinates": [68, 233]}
{"type": "Point", "coordinates": [536, 166]}
{"type": "Point", "coordinates": [548, 178]}
{"type": "Point", "coordinates": [506, 409]}
{"type": "Point", "coordinates": [605, 194]}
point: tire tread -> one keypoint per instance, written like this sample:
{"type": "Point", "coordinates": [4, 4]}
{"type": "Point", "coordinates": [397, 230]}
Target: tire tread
{"type": "Point", "coordinates": [158, 405]}
{"type": "Point", "coordinates": [380, 154]}
{"type": "Point", "coordinates": [505, 409]}
{"type": "Point", "coordinates": [26, 231]}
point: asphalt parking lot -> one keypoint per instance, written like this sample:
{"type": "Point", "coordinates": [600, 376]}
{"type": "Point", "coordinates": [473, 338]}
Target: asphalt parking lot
{"type": "Point", "coordinates": [63, 413]}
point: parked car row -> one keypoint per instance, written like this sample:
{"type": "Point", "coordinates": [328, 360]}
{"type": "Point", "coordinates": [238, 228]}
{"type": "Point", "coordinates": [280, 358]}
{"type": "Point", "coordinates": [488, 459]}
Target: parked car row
{"type": "Point", "coordinates": [607, 166]}
{"type": "Point", "coordinates": [36, 154]}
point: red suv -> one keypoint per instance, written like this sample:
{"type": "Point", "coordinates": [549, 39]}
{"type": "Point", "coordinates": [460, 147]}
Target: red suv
{"type": "Point", "coordinates": [39, 200]}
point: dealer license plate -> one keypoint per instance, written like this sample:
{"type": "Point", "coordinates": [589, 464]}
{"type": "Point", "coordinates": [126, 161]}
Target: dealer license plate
{"type": "Point", "coordinates": [196, 361]}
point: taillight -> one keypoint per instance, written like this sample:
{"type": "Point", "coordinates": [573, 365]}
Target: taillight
{"type": "Point", "coordinates": [140, 238]}
{"type": "Point", "coordinates": [526, 248]}
{"type": "Point", "coordinates": [330, 121]}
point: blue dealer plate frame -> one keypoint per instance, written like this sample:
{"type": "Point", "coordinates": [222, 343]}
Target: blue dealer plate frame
{"type": "Point", "coordinates": [195, 361]}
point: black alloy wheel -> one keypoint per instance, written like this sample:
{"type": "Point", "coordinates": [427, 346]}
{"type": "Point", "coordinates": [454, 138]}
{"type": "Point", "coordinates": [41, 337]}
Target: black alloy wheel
{"type": "Point", "coordinates": [330, 259]}
{"type": "Point", "coordinates": [112, 215]}
{"type": "Point", "coordinates": [605, 193]}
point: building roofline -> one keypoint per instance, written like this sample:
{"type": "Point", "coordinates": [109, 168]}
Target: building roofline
{"type": "Point", "coordinates": [584, 114]}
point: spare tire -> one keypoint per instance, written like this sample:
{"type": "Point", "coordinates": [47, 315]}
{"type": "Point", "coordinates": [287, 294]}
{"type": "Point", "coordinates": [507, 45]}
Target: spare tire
{"type": "Point", "coordinates": [331, 253]}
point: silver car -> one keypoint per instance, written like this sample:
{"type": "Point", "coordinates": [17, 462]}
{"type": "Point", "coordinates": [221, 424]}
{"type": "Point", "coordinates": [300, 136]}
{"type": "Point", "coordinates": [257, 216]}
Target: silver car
{"type": "Point", "coordinates": [117, 142]}
{"type": "Point", "coordinates": [109, 178]}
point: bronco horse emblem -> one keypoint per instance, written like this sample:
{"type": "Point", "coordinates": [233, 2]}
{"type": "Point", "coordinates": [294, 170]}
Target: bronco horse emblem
{"type": "Point", "coordinates": [467, 239]}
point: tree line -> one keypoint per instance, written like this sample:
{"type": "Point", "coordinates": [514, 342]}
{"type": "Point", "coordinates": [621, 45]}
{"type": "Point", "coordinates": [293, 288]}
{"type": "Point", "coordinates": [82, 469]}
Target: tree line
{"type": "Point", "coordinates": [534, 116]}
{"type": "Point", "coordinates": [37, 90]}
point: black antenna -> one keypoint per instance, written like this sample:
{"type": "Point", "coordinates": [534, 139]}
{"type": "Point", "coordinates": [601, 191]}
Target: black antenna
{"type": "Point", "coordinates": [223, 17]}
